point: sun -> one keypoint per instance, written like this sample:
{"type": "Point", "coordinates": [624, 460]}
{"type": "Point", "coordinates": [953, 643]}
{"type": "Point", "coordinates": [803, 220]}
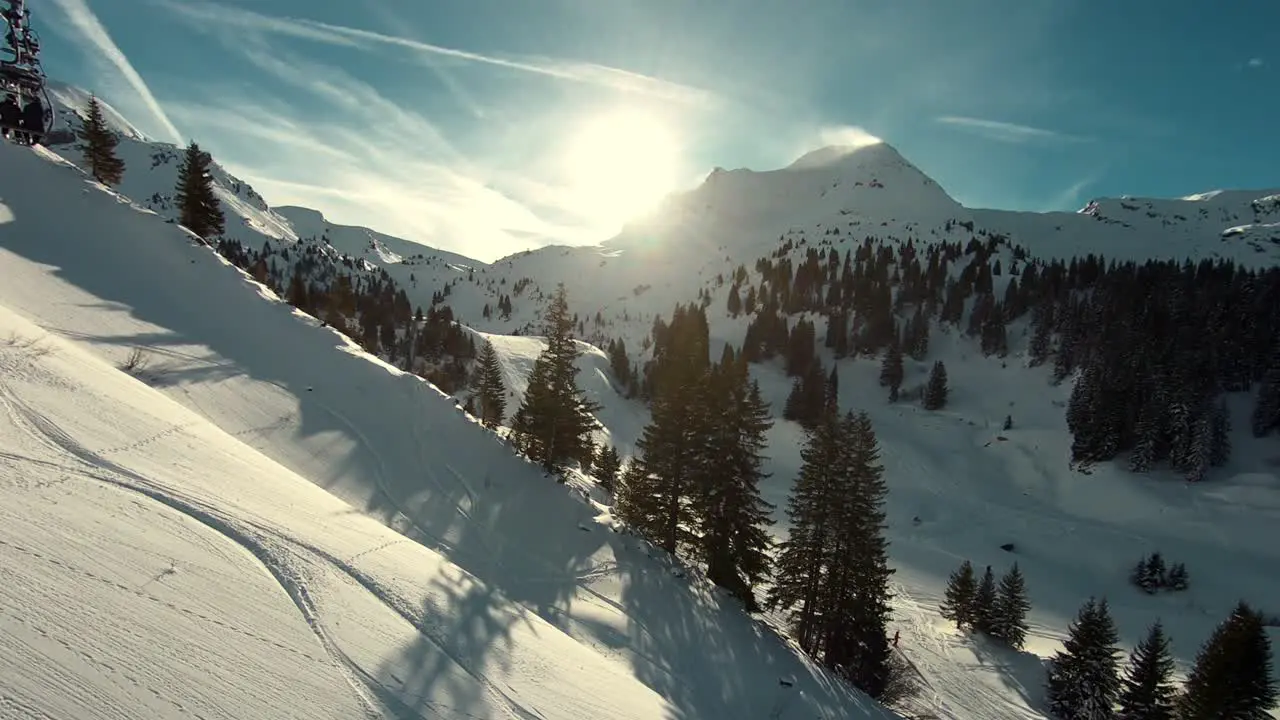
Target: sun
{"type": "Point", "coordinates": [620, 164]}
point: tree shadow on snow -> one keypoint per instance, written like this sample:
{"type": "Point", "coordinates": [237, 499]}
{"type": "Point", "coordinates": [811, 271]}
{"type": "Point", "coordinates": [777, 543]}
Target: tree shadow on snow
{"type": "Point", "coordinates": [1020, 671]}
{"type": "Point", "coordinates": [389, 443]}
{"type": "Point", "coordinates": [463, 638]}
{"type": "Point", "coordinates": [700, 650]}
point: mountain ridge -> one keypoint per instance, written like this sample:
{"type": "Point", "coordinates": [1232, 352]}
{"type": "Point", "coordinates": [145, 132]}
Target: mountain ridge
{"type": "Point", "coordinates": [1075, 530]}
{"type": "Point", "coordinates": [1241, 223]}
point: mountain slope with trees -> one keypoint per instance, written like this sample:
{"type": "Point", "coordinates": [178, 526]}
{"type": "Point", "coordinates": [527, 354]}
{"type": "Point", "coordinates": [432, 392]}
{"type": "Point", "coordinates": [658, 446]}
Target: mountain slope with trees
{"type": "Point", "coordinates": [1032, 403]}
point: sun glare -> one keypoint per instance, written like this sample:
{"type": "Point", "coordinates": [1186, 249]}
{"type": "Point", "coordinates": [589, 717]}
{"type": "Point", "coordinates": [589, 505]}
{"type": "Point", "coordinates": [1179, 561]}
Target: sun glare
{"type": "Point", "coordinates": [620, 164]}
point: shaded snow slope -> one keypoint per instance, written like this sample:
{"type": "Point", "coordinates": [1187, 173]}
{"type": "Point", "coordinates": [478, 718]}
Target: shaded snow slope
{"type": "Point", "coordinates": [85, 265]}
{"type": "Point", "coordinates": [159, 567]}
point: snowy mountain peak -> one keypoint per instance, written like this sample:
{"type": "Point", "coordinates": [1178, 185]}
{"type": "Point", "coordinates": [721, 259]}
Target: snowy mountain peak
{"type": "Point", "coordinates": [838, 154]}
{"type": "Point", "coordinates": [849, 186]}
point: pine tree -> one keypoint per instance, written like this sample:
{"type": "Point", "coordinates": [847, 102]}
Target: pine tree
{"type": "Point", "coordinates": [1232, 678]}
{"type": "Point", "coordinates": [1266, 411]}
{"type": "Point", "coordinates": [1141, 578]}
{"type": "Point", "coordinates": [984, 603]}
{"type": "Point", "coordinates": [1156, 576]}
{"type": "Point", "coordinates": [732, 515]}
{"type": "Point", "coordinates": [833, 568]}
{"type": "Point", "coordinates": [935, 392]}
{"type": "Point", "coordinates": [608, 465]}
{"type": "Point", "coordinates": [1082, 682]}
{"type": "Point", "coordinates": [657, 493]}
{"type": "Point", "coordinates": [891, 370]}
{"type": "Point", "coordinates": [1147, 691]}
{"type": "Point", "coordinates": [198, 207]}
{"type": "Point", "coordinates": [554, 423]}
{"type": "Point", "coordinates": [491, 391]}
{"type": "Point", "coordinates": [803, 558]}
{"type": "Point", "coordinates": [1177, 580]}
{"type": "Point", "coordinates": [857, 637]}
{"type": "Point", "coordinates": [99, 146]}
{"type": "Point", "coordinates": [1009, 622]}
{"type": "Point", "coordinates": [1220, 444]}
{"type": "Point", "coordinates": [962, 588]}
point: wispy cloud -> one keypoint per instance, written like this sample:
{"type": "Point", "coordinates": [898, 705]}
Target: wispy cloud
{"type": "Point", "coordinates": [1070, 197]}
{"type": "Point", "coordinates": [1006, 131]}
{"type": "Point", "coordinates": [1255, 62]}
{"type": "Point", "coordinates": [83, 22]}
{"type": "Point", "coordinates": [846, 135]}
{"type": "Point", "coordinates": [568, 70]}
{"type": "Point", "coordinates": [369, 160]}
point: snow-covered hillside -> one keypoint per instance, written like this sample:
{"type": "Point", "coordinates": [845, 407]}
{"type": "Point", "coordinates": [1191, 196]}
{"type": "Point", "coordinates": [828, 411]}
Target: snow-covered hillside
{"type": "Point", "coordinates": [960, 486]}
{"type": "Point", "coordinates": [500, 596]}
{"type": "Point", "coordinates": [158, 566]}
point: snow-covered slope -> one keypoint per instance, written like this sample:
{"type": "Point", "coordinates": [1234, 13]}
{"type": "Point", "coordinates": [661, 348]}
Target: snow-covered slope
{"type": "Point", "coordinates": [72, 103]}
{"type": "Point", "coordinates": [158, 566]}
{"type": "Point", "coordinates": [1238, 225]}
{"type": "Point", "coordinates": [510, 584]}
{"type": "Point", "coordinates": [959, 487]}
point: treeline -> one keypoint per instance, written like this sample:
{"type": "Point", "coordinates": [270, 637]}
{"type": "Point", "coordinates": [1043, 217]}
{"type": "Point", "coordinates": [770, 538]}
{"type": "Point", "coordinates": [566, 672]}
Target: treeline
{"type": "Point", "coordinates": [1155, 346]}
{"type": "Point", "coordinates": [351, 297]}
{"type": "Point", "coordinates": [365, 304]}
{"type": "Point", "coordinates": [1232, 678]}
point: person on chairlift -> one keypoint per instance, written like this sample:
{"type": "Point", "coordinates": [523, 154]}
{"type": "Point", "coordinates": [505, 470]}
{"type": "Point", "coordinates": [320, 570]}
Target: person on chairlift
{"type": "Point", "coordinates": [33, 120]}
{"type": "Point", "coordinates": [10, 115]}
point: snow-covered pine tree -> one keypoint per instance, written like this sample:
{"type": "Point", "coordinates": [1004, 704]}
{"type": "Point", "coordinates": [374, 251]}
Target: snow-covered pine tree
{"type": "Point", "coordinates": [1232, 678]}
{"type": "Point", "coordinates": [1082, 682]}
{"type": "Point", "coordinates": [98, 144]}
{"type": "Point", "coordinates": [1147, 690]}
{"type": "Point", "coordinates": [491, 391]}
{"type": "Point", "coordinates": [962, 589]}
{"type": "Point", "coordinates": [935, 392]}
{"type": "Point", "coordinates": [984, 603]}
{"type": "Point", "coordinates": [1009, 623]}
{"type": "Point", "coordinates": [198, 208]}
{"type": "Point", "coordinates": [554, 423]}
{"type": "Point", "coordinates": [1177, 579]}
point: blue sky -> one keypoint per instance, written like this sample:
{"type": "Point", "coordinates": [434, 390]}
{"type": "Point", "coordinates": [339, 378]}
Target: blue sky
{"type": "Point", "coordinates": [490, 126]}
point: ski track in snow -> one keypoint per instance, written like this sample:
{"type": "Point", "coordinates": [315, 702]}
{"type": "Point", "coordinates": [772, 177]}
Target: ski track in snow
{"type": "Point", "coordinates": [273, 562]}
{"type": "Point", "coordinates": [48, 433]}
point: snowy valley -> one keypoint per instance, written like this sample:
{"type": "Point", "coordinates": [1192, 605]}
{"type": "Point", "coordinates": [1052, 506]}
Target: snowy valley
{"type": "Point", "coordinates": [217, 505]}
